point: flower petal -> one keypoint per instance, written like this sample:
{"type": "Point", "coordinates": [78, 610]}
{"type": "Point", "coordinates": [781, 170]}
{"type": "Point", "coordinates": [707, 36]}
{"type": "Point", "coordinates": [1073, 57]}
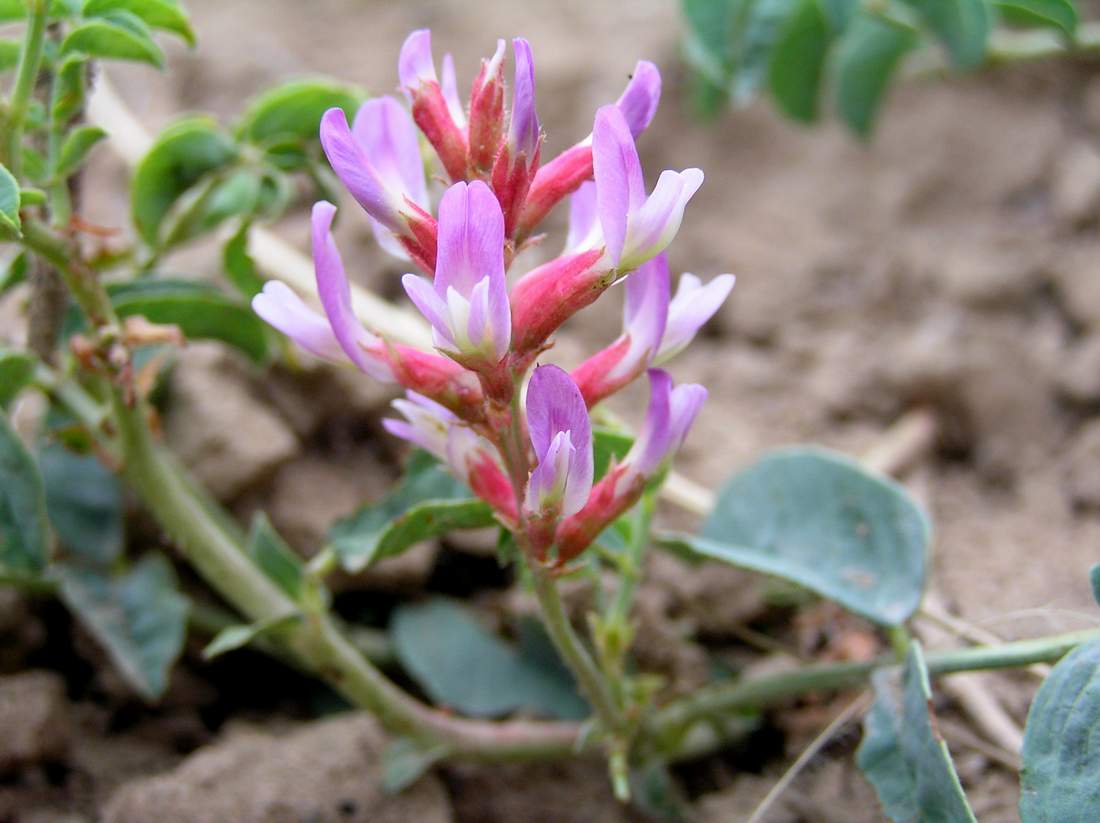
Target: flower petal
{"type": "Point", "coordinates": [433, 307]}
{"type": "Point", "coordinates": [620, 188]}
{"type": "Point", "coordinates": [449, 86]}
{"type": "Point", "coordinates": [584, 227]}
{"type": "Point", "coordinates": [639, 99]}
{"type": "Point", "coordinates": [283, 309]}
{"type": "Point", "coordinates": [555, 405]}
{"type": "Point", "coordinates": [335, 294]}
{"type": "Point", "coordinates": [653, 226]}
{"type": "Point", "coordinates": [644, 316]}
{"type": "Point", "coordinates": [355, 171]}
{"type": "Point", "coordinates": [387, 135]}
{"type": "Point", "coordinates": [693, 305]}
{"type": "Point", "coordinates": [523, 130]}
{"type": "Point", "coordinates": [471, 239]}
{"type": "Point", "coordinates": [414, 63]}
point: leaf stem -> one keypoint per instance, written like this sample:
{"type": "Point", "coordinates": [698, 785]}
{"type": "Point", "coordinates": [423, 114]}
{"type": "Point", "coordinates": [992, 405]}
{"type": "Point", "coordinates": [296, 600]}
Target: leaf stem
{"type": "Point", "coordinates": [29, 60]}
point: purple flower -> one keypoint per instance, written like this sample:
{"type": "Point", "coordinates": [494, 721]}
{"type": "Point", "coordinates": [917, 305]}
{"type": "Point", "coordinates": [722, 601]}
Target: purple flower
{"type": "Point", "coordinates": [693, 305]}
{"type": "Point", "coordinates": [414, 63]}
{"type": "Point", "coordinates": [523, 129]}
{"type": "Point", "coordinates": [635, 227]}
{"type": "Point", "coordinates": [379, 163]}
{"type": "Point", "coordinates": [669, 416]}
{"type": "Point", "coordinates": [562, 436]}
{"type": "Point", "coordinates": [387, 137]}
{"type": "Point", "coordinates": [467, 304]}
{"type": "Point", "coordinates": [449, 85]}
{"type": "Point", "coordinates": [639, 99]}
{"type": "Point", "coordinates": [645, 315]}
{"type": "Point", "coordinates": [584, 222]}
{"type": "Point", "coordinates": [425, 425]}
{"type": "Point", "coordinates": [342, 335]}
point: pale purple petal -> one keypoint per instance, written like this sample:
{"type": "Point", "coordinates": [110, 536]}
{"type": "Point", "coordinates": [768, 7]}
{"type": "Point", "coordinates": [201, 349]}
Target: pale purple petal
{"type": "Point", "coordinates": [644, 316]}
{"type": "Point", "coordinates": [387, 240]}
{"type": "Point", "coordinates": [671, 412]}
{"type": "Point", "coordinates": [550, 479]}
{"type": "Point", "coordinates": [355, 171]}
{"type": "Point", "coordinates": [471, 239]}
{"type": "Point", "coordinates": [433, 307]}
{"type": "Point", "coordinates": [639, 99]}
{"type": "Point", "coordinates": [620, 188]}
{"type": "Point", "coordinates": [584, 227]}
{"type": "Point", "coordinates": [652, 227]}
{"type": "Point", "coordinates": [387, 135]}
{"type": "Point", "coordinates": [555, 405]}
{"type": "Point", "coordinates": [523, 132]}
{"type": "Point", "coordinates": [449, 84]}
{"type": "Point", "coordinates": [335, 294]}
{"type": "Point", "coordinates": [426, 423]}
{"type": "Point", "coordinates": [684, 407]}
{"type": "Point", "coordinates": [478, 318]}
{"type": "Point", "coordinates": [693, 305]}
{"type": "Point", "coordinates": [415, 64]}
{"type": "Point", "coordinates": [282, 308]}
{"type": "Point", "coordinates": [500, 316]}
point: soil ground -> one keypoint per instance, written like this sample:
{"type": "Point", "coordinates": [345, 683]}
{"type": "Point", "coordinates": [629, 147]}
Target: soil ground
{"type": "Point", "coordinates": [950, 264]}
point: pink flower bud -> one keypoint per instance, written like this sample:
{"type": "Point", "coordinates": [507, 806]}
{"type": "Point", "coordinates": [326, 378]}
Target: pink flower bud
{"type": "Point", "coordinates": [430, 109]}
{"type": "Point", "coordinates": [487, 112]}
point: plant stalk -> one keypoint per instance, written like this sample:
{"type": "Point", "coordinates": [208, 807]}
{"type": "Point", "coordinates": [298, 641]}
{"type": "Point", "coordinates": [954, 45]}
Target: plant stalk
{"type": "Point", "coordinates": [26, 74]}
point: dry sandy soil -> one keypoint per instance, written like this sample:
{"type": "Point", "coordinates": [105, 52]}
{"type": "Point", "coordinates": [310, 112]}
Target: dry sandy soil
{"type": "Point", "coordinates": [952, 264]}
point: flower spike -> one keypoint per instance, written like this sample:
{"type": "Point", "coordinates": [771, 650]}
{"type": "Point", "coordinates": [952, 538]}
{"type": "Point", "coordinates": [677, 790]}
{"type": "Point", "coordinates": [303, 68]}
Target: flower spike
{"type": "Point", "coordinates": [467, 304]}
{"type": "Point", "coordinates": [561, 434]}
{"type": "Point", "coordinates": [430, 109]}
{"type": "Point", "coordinates": [635, 227]}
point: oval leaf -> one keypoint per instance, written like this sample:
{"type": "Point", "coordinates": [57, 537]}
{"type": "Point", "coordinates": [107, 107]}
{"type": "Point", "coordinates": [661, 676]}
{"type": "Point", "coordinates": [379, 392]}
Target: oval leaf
{"type": "Point", "coordinates": [210, 203]}
{"type": "Point", "coordinates": [797, 61]}
{"type": "Point", "coordinates": [181, 155]}
{"type": "Point", "coordinates": [867, 57]}
{"type": "Point", "coordinates": [962, 26]}
{"type": "Point", "coordinates": [278, 561]}
{"type": "Point", "coordinates": [1060, 14]}
{"type": "Point", "coordinates": [294, 110]}
{"type": "Point", "coordinates": [23, 544]}
{"type": "Point", "coordinates": [139, 617]}
{"type": "Point", "coordinates": [201, 311]}
{"type": "Point", "coordinates": [10, 226]}
{"type": "Point", "coordinates": [1061, 756]}
{"type": "Point", "coordinates": [118, 35]}
{"type": "Point", "coordinates": [84, 503]}
{"type": "Point", "coordinates": [165, 15]}
{"type": "Point", "coordinates": [76, 147]}
{"type": "Point", "coordinates": [16, 373]}
{"type": "Point", "coordinates": [236, 637]}
{"type": "Point", "coordinates": [461, 665]}
{"type": "Point", "coordinates": [429, 502]}
{"type": "Point", "coordinates": [819, 520]}
{"type": "Point", "coordinates": [902, 753]}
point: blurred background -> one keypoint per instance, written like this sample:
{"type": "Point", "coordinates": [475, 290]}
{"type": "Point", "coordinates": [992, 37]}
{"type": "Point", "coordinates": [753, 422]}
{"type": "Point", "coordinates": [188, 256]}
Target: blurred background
{"type": "Point", "coordinates": [949, 262]}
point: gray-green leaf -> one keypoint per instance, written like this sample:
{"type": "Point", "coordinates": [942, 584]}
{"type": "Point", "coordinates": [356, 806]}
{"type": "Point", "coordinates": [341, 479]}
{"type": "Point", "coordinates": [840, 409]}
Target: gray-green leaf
{"type": "Point", "coordinates": [818, 519]}
{"type": "Point", "coordinates": [405, 761]}
{"type": "Point", "coordinates": [962, 26]}
{"type": "Point", "coordinates": [1061, 14]}
{"type": "Point", "coordinates": [23, 529]}
{"type": "Point", "coordinates": [16, 373]}
{"type": "Point", "coordinates": [232, 638]}
{"type": "Point", "coordinates": [798, 59]}
{"type": "Point", "coordinates": [76, 147]}
{"type": "Point", "coordinates": [1062, 743]}
{"type": "Point", "coordinates": [166, 15]}
{"type": "Point", "coordinates": [902, 753]}
{"type": "Point", "coordinates": [866, 59]}
{"type": "Point", "coordinates": [11, 228]}
{"type": "Point", "coordinates": [293, 111]}
{"type": "Point", "coordinates": [84, 503]}
{"type": "Point", "coordinates": [461, 665]}
{"type": "Point", "coordinates": [117, 35]}
{"type": "Point", "coordinates": [270, 552]}
{"type": "Point", "coordinates": [139, 617]}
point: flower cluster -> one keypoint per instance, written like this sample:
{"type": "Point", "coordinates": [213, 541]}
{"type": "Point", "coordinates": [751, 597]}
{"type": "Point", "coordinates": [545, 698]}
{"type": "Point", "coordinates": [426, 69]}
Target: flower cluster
{"type": "Point", "coordinates": [531, 459]}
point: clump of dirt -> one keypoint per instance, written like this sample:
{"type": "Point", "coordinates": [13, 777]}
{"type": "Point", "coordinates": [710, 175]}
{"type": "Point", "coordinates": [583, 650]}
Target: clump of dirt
{"type": "Point", "coordinates": [950, 264]}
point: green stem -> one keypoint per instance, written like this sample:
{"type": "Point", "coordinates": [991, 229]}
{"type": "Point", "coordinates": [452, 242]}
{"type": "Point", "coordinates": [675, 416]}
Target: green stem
{"type": "Point", "coordinates": [569, 646]}
{"type": "Point", "coordinates": [81, 281]}
{"type": "Point", "coordinates": [29, 60]}
{"type": "Point", "coordinates": [759, 693]}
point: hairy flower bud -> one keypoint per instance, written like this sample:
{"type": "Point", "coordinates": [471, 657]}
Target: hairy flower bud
{"type": "Point", "coordinates": [430, 108]}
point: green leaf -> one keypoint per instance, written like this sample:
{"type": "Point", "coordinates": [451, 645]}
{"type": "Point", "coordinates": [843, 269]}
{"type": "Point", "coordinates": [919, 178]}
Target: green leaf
{"type": "Point", "coordinates": [1094, 579]}
{"type": "Point", "coordinates": [461, 665]}
{"type": "Point", "coordinates": [84, 503]}
{"type": "Point", "coordinates": [16, 373]}
{"type": "Point", "coordinates": [201, 311]}
{"type": "Point", "coordinates": [294, 110]}
{"type": "Point", "coordinates": [139, 617]}
{"type": "Point", "coordinates": [270, 552]}
{"type": "Point", "coordinates": [11, 228]}
{"type": "Point", "coordinates": [12, 10]}
{"type": "Point", "coordinates": [840, 13]}
{"type": "Point", "coordinates": [866, 59]}
{"type": "Point", "coordinates": [405, 761]}
{"type": "Point", "coordinates": [797, 61]}
{"type": "Point", "coordinates": [1061, 756]}
{"type": "Point", "coordinates": [76, 147]}
{"type": "Point", "coordinates": [429, 502]}
{"type": "Point", "coordinates": [70, 87]}
{"type": "Point", "coordinates": [182, 154]}
{"type": "Point", "coordinates": [211, 202]}
{"type": "Point", "coordinates": [608, 444]}
{"type": "Point", "coordinates": [14, 273]}
{"type": "Point", "coordinates": [819, 520]}
{"type": "Point", "coordinates": [23, 529]}
{"type": "Point", "coordinates": [232, 638]}
{"type": "Point", "coordinates": [902, 753]}
{"type": "Point", "coordinates": [765, 21]}
{"type": "Point", "coordinates": [240, 268]}
{"type": "Point", "coordinates": [116, 35]}
{"type": "Point", "coordinates": [1060, 14]}
{"type": "Point", "coordinates": [962, 26]}
{"type": "Point", "coordinates": [9, 54]}
{"type": "Point", "coordinates": [165, 15]}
